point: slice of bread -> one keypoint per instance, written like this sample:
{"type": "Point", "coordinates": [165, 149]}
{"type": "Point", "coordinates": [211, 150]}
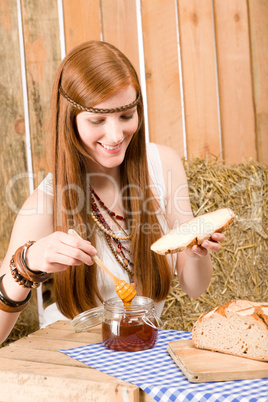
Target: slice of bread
{"type": "Point", "coordinates": [238, 327]}
{"type": "Point", "coordinates": [194, 232]}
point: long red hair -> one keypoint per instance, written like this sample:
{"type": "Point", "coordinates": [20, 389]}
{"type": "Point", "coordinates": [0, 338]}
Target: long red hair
{"type": "Point", "coordinates": [90, 74]}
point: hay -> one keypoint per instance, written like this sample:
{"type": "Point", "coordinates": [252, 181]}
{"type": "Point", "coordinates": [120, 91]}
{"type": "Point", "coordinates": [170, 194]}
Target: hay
{"type": "Point", "coordinates": [241, 267]}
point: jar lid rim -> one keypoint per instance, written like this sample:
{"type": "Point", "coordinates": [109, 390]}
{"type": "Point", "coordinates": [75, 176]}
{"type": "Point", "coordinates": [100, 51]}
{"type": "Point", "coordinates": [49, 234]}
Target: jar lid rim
{"type": "Point", "coordinates": [88, 319]}
{"type": "Point", "coordinates": [138, 304]}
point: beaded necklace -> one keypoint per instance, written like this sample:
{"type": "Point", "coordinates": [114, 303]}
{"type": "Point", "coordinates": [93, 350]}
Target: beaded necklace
{"type": "Point", "coordinates": [113, 240]}
{"type": "Point", "coordinates": [111, 213]}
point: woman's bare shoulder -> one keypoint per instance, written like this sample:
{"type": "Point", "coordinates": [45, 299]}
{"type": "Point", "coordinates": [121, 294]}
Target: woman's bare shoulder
{"type": "Point", "coordinates": [178, 203]}
{"type": "Point", "coordinates": [171, 161]}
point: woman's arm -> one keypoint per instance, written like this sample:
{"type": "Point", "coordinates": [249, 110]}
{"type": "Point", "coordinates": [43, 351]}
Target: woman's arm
{"type": "Point", "coordinates": [52, 252]}
{"type": "Point", "coordinates": [194, 266]}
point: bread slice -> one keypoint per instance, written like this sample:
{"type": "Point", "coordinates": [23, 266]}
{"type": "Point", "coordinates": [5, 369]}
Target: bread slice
{"type": "Point", "coordinates": [238, 327]}
{"type": "Point", "coordinates": [194, 232]}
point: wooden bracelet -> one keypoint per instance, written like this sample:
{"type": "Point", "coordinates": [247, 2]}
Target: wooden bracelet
{"type": "Point", "coordinates": [23, 256]}
{"type": "Point", "coordinates": [11, 306]}
{"type": "Point", "coordinates": [19, 278]}
{"type": "Point", "coordinates": [24, 271]}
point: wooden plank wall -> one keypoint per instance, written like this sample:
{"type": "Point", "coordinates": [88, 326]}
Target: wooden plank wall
{"type": "Point", "coordinates": [203, 65]}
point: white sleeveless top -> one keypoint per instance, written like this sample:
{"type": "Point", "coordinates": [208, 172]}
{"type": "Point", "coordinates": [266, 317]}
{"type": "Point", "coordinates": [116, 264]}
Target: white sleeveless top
{"type": "Point", "coordinates": [106, 285]}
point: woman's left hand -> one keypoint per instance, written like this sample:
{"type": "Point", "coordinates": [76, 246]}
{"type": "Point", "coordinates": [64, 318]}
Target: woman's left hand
{"type": "Point", "coordinates": [208, 245]}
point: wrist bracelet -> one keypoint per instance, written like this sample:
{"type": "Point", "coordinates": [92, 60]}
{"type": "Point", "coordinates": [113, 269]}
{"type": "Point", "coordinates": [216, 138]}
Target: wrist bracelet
{"type": "Point", "coordinates": [23, 256]}
{"type": "Point", "coordinates": [21, 273]}
{"type": "Point", "coordinates": [10, 306]}
{"type": "Point", "coordinates": [19, 278]}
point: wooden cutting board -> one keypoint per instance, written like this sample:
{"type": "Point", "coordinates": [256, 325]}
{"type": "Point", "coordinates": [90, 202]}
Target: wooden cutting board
{"type": "Point", "coordinates": [200, 365]}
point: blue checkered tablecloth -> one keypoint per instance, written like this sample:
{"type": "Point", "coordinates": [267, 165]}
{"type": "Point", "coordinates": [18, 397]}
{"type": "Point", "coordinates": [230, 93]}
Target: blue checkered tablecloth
{"type": "Point", "coordinates": [155, 372]}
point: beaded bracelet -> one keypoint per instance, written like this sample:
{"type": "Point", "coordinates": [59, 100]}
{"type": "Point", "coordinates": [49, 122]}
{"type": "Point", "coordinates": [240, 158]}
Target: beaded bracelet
{"type": "Point", "coordinates": [21, 272]}
{"type": "Point", "coordinates": [19, 278]}
{"type": "Point", "coordinates": [10, 306]}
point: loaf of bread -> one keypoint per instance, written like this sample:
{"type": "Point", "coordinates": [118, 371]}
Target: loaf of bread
{"type": "Point", "coordinates": [194, 232]}
{"type": "Point", "coordinates": [238, 327]}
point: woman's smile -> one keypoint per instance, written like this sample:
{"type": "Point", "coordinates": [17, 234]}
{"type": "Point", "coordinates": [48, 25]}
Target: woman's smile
{"type": "Point", "coordinates": [111, 147]}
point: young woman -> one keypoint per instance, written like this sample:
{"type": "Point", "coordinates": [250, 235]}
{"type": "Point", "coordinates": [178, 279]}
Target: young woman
{"type": "Point", "coordinates": [119, 193]}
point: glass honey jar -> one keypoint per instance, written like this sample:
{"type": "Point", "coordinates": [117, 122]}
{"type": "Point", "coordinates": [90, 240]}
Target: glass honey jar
{"type": "Point", "coordinates": [124, 328]}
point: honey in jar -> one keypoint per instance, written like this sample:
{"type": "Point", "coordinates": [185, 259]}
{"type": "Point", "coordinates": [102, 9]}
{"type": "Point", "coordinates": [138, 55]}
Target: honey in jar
{"type": "Point", "coordinates": [124, 328]}
{"type": "Point", "coordinates": [130, 328]}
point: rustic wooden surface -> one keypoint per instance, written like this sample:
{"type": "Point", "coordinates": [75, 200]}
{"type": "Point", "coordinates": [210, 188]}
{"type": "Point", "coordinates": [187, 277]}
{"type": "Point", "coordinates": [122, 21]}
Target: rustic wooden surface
{"type": "Point", "coordinates": [161, 68]}
{"type": "Point", "coordinates": [200, 365]}
{"type": "Point", "coordinates": [258, 25]}
{"type": "Point", "coordinates": [199, 78]}
{"type": "Point", "coordinates": [42, 57]}
{"type": "Point", "coordinates": [13, 159]}
{"type": "Point", "coordinates": [34, 369]}
{"type": "Point", "coordinates": [81, 22]}
{"type": "Point", "coordinates": [235, 80]}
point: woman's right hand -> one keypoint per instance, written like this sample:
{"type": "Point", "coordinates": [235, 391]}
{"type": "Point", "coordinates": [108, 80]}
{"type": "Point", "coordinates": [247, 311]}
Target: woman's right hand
{"type": "Point", "coordinates": [56, 252]}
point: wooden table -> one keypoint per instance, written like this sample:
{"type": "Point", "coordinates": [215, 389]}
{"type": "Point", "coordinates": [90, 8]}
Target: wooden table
{"type": "Point", "coordinates": [33, 369]}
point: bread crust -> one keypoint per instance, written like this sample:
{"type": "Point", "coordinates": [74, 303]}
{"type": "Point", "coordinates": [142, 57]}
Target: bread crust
{"type": "Point", "coordinates": [196, 240]}
{"type": "Point", "coordinates": [238, 327]}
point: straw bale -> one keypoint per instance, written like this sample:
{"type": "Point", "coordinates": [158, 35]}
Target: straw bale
{"type": "Point", "coordinates": [241, 267]}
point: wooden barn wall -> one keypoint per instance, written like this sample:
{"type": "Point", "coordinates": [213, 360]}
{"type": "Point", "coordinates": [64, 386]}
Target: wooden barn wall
{"type": "Point", "coordinates": [203, 65]}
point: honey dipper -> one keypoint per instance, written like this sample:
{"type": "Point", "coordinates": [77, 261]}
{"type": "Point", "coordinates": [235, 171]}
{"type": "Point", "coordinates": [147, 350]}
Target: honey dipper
{"type": "Point", "coordinates": [124, 290]}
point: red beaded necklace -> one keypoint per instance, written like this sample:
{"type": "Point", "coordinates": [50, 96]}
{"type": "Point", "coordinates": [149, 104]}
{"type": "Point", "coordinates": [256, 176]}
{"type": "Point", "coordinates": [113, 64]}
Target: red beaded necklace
{"type": "Point", "coordinates": [113, 242]}
{"type": "Point", "coordinates": [111, 213]}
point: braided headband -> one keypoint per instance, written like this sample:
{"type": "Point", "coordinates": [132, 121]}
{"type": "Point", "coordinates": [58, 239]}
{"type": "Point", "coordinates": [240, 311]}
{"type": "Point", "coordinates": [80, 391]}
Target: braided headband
{"type": "Point", "coordinates": [96, 110]}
